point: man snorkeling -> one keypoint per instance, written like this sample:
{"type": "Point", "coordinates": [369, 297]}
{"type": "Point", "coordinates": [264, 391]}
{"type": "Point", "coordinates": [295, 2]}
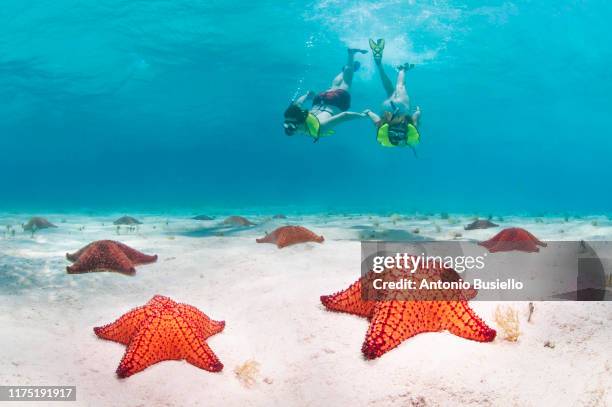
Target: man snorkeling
{"type": "Point", "coordinates": [396, 128]}
{"type": "Point", "coordinates": [329, 108]}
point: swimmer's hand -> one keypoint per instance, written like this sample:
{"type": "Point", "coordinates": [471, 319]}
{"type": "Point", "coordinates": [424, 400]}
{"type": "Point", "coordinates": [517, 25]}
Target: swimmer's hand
{"type": "Point", "coordinates": [310, 94]}
{"type": "Point", "coordinates": [373, 116]}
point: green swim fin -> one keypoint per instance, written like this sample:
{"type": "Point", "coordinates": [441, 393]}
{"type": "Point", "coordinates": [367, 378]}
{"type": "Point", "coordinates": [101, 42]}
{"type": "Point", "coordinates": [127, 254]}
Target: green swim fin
{"type": "Point", "coordinates": [377, 47]}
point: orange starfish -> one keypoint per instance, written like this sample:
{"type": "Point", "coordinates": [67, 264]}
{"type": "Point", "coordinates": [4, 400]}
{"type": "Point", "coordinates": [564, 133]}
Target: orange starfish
{"type": "Point", "coordinates": [288, 235]}
{"type": "Point", "coordinates": [163, 330]}
{"type": "Point", "coordinates": [107, 255]}
{"type": "Point", "coordinates": [397, 316]}
{"type": "Point", "coordinates": [513, 239]}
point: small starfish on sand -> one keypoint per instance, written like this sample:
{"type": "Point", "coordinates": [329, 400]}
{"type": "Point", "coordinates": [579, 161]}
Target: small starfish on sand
{"type": "Point", "coordinates": [513, 239]}
{"type": "Point", "coordinates": [37, 223]}
{"type": "Point", "coordinates": [107, 255]}
{"type": "Point", "coordinates": [480, 224]}
{"type": "Point", "coordinates": [288, 235]}
{"type": "Point", "coordinates": [398, 316]}
{"type": "Point", "coordinates": [237, 221]}
{"type": "Point", "coordinates": [163, 330]}
{"type": "Point", "coordinates": [127, 220]}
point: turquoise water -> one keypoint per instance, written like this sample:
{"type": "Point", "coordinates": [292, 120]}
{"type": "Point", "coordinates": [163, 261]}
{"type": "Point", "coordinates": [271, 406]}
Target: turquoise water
{"type": "Point", "coordinates": [161, 105]}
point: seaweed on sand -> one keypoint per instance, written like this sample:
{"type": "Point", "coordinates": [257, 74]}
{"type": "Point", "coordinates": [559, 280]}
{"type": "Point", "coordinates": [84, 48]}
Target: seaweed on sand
{"type": "Point", "coordinates": [247, 373]}
{"type": "Point", "coordinates": [507, 319]}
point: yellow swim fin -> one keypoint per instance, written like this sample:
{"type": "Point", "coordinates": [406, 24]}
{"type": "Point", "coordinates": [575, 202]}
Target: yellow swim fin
{"type": "Point", "coordinates": [377, 47]}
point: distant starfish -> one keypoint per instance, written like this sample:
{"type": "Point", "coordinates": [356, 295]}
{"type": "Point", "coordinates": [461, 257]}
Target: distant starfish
{"type": "Point", "coordinates": [288, 235]}
{"type": "Point", "coordinates": [480, 224]}
{"type": "Point", "coordinates": [237, 221]}
{"type": "Point", "coordinates": [37, 223]}
{"type": "Point", "coordinates": [127, 220]}
{"type": "Point", "coordinates": [107, 255]}
{"type": "Point", "coordinates": [513, 239]}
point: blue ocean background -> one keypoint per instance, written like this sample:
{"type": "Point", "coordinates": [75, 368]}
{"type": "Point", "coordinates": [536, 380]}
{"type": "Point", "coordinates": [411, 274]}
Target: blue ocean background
{"type": "Point", "coordinates": [164, 105]}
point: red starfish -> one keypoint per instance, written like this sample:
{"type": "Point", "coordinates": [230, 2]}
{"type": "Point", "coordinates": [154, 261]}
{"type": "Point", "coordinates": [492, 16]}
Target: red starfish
{"type": "Point", "coordinates": [107, 255]}
{"type": "Point", "coordinates": [288, 235]}
{"type": "Point", "coordinates": [513, 239]}
{"type": "Point", "coordinates": [163, 330]}
{"type": "Point", "coordinates": [402, 315]}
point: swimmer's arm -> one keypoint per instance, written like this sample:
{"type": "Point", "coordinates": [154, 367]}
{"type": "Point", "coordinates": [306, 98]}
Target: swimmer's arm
{"type": "Point", "coordinates": [373, 116]}
{"type": "Point", "coordinates": [302, 99]}
{"type": "Point", "coordinates": [341, 118]}
{"type": "Point", "coordinates": [415, 116]}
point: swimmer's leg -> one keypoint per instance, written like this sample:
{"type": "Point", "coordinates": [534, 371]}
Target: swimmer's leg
{"type": "Point", "coordinates": [378, 47]}
{"type": "Point", "coordinates": [400, 94]}
{"type": "Point", "coordinates": [384, 78]}
{"type": "Point", "coordinates": [345, 78]}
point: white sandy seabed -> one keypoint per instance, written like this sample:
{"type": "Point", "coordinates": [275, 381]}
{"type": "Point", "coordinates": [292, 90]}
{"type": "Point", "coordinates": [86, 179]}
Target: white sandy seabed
{"type": "Point", "coordinates": [269, 299]}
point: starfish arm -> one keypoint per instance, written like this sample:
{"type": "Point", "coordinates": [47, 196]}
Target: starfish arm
{"type": "Point", "coordinates": [349, 301]}
{"type": "Point", "coordinates": [495, 247]}
{"type": "Point", "coordinates": [284, 239]}
{"type": "Point", "coordinates": [146, 348]}
{"type": "Point", "coordinates": [193, 333]}
{"type": "Point", "coordinates": [269, 238]}
{"type": "Point", "coordinates": [203, 357]}
{"type": "Point", "coordinates": [487, 244]}
{"type": "Point", "coordinates": [311, 236]}
{"type": "Point", "coordinates": [159, 302]}
{"type": "Point", "coordinates": [536, 240]}
{"type": "Point", "coordinates": [394, 322]}
{"type": "Point", "coordinates": [75, 256]}
{"type": "Point", "coordinates": [135, 256]}
{"type": "Point", "coordinates": [462, 321]}
{"type": "Point", "coordinates": [123, 329]}
{"type": "Point", "coordinates": [102, 258]}
{"type": "Point", "coordinates": [299, 234]}
{"type": "Point", "coordinates": [200, 321]}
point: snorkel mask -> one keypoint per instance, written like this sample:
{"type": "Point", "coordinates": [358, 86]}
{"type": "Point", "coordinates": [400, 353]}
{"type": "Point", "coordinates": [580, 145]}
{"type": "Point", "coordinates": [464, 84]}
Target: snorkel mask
{"type": "Point", "coordinates": [294, 116]}
{"type": "Point", "coordinates": [290, 128]}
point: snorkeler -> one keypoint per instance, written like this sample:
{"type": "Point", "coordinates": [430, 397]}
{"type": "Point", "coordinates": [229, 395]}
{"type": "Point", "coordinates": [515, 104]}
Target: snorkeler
{"type": "Point", "coordinates": [329, 108]}
{"type": "Point", "coordinates": [397, 127]}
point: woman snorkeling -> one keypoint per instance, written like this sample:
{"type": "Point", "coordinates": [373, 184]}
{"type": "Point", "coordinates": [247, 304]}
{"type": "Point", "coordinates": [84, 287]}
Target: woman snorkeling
{"type": "Point", "coordinates": [329, 108]}
{"type": "Point", "coordinates": [396, 127]}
